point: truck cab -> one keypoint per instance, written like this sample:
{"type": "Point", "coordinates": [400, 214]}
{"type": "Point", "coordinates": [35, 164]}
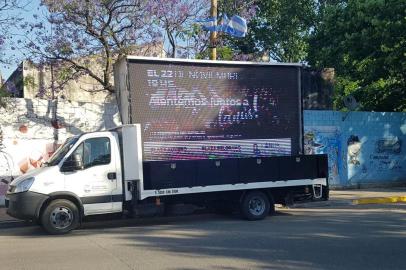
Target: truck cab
{"type": "Point", "coordinates": [83, 177]}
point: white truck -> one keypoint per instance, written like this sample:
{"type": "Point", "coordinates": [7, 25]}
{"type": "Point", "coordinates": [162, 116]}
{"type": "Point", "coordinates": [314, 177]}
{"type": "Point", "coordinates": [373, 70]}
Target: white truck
{"type": "Point", "coordinates": [182, 143]}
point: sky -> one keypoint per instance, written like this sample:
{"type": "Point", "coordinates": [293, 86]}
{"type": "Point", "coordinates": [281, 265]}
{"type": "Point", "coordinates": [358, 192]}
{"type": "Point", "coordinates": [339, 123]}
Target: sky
{"type": "Point", "coordinates": [32, 7]}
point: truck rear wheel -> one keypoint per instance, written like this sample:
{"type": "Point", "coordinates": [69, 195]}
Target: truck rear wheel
{"type": "Point", "coordinates": [60, 217]}
{"type": "Point", "coordinates": [255, 205]}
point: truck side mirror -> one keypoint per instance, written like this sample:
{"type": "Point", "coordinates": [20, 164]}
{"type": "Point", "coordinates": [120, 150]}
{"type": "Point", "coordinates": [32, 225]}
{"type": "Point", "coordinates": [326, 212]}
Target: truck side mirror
{"type": "Point", "coordinates": [73, 163]}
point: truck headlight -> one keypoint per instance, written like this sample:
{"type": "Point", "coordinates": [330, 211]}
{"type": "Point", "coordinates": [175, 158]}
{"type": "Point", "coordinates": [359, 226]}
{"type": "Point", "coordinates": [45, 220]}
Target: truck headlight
{"type": "Point", "coordinates": [24, 185]}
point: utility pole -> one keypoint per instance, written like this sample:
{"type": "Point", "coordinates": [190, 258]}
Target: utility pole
{"type": "Point", "coordinates": [213, 34]}
{"type": "Point", "coordinates": [54, 110]}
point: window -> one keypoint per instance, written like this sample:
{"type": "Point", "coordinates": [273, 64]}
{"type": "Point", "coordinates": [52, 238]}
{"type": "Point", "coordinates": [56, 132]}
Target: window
{"type": "Point", "coordinates": [94, 152]}
{"type": "Point", "coordinates": [61, 152]}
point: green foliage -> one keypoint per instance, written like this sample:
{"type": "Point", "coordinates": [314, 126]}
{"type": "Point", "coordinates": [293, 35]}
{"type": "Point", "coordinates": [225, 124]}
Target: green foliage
{"type": "Point", "coordinates": [65, 73]}
{"type": "Point", "coordinates": [365, 41]}
{"type": "Point", "coordinates": [223, 53]}
{"type": "Point", "coordinates": [343, 87]}
{"type": "Point", "coordinates": [280, 29]}
{"type": "Point", "coordinates": [3, 94]}
{"type": "Point", "coordinates": [29, 81]}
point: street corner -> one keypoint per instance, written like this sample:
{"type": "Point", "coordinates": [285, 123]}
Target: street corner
{"type": "Point", "coordinates": [380, 200]}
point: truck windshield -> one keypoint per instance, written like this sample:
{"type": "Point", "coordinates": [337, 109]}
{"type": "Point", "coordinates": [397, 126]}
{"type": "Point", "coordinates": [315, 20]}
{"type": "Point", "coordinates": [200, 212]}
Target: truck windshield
{"type": "Point", "coordinates": [61, 152]}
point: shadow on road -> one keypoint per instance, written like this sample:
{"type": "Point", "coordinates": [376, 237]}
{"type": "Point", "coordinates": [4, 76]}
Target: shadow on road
{"type": "Point", "coordinates": [310, 239]}
{"type": "Point", "coordinates": [357, 237]}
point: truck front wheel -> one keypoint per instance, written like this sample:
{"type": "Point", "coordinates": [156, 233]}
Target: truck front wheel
{"type": "Point", "coordinates": [255, 205]}
{"type": "Point", "coordinates": [60, 217]}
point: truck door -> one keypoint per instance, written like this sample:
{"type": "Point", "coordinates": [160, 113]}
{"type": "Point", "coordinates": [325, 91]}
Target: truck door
{"type": "Point", "coordinates": [97, 180]}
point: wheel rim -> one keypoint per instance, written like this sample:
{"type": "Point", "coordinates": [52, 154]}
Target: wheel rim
{"type": "Point", "coordinates": [61, 217]}
{"type": "Point", "coordinates": [256, 206]}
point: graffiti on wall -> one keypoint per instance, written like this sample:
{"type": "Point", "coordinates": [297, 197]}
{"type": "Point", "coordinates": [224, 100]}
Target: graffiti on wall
{"type": "Point", "coordinates": [28, 154]}
{"type": "Point", "coordinates": [388, 146]}
{"type": "Point", "coordinates": [375, 158]}
{"type": "Point", "coordinates": [373, 145]}
{"type": "Point", "coordinates": [29, 132]}
{"type": "Point", "coordinates": [36, 157]}
{"type": "Point", "coordinates": [353, 149]}
{"type": "Point", "coordinates": [325, 140]}
{"type": "Point", "coordinates": [387, 155]}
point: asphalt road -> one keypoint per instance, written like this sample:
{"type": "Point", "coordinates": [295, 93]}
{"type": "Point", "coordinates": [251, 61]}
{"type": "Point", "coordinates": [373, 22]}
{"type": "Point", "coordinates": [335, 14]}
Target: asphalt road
{"type": "Point", "coordinates": [340, 237]}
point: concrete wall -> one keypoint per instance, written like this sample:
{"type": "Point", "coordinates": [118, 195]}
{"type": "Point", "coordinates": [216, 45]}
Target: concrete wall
{"type": "Point", "coordinates": [60, 80]}
{"type": "Point", "coordinates": [38, 83]}
{"type": "Point", "coordinates": [364, 148]}
{"type": "Point", "coordinates": [29, 135]}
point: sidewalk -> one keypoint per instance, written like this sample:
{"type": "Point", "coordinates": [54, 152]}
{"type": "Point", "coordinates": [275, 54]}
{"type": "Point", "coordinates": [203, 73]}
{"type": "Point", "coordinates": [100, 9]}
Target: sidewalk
{"type": "Point", "coordinates": [337, 198]}
{"type": "Point", "coordinates": [370, 196]}
{"type": "Point", "coordinates": [360, 196]}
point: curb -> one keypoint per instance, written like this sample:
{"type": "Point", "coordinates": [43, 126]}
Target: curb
{"type": "Point", "coordinates": [329, 203]}
{"type": "Point", "coordinates": [393, 199]}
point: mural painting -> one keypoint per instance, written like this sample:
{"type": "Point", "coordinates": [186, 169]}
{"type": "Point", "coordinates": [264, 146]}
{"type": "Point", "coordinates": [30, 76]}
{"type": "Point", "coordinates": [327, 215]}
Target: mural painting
{"type": "Point", "coordinates": [387, 155]}
{"type": "Point", "coordinates": [375, 159]}
{"type": "Point", "coordinates": [29, 131]}
{"type": "Point", "coordinates": [357, 168]}
{"type": "Point", "coordinates": [27, 154]}
{"type": "Point", "coordinates": [353, 149]}
{"type": "Point", "coordinates": [325, 140]}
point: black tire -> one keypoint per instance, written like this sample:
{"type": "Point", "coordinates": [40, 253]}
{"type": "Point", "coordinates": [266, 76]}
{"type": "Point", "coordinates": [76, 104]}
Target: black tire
{"type": "Point", "coordinates": [255, 205]}
{"type": "Point", "coordinates": [60, 217]}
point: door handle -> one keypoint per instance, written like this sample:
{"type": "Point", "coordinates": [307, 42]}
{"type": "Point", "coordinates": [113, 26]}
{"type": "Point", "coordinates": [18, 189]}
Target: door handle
{"type": "Point", "coordinates": [111, 176]}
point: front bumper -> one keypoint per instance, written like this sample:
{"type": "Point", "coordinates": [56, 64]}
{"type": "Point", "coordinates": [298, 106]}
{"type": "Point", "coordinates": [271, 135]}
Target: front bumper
{"type": "Point", "coordinates": [25, 205]}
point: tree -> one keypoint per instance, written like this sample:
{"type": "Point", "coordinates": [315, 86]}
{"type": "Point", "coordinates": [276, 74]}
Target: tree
{"type": "Point", "coordinates": [6, 21]}
{"type": "Point", "coordinates": [89, 34]}
{"type": "Point", "coordinates": [177, 19]}
{"type": "Point", "coordinates": [365, 41]}
{"type": "Point", "coordinates": [279, 28]}
{"type": "Point", "coordinates": [229, 48]}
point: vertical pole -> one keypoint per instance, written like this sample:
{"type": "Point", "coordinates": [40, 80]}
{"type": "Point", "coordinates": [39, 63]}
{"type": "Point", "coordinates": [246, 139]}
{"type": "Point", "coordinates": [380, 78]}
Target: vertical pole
{"type": "Point", "coordinates": [55, 108]}
{"type": "Point", "coordinates": [52, 81]}
{"type": "Point", "coordinates": [54, 103]}
{"type": "Point", "coordinates": [213, 34]}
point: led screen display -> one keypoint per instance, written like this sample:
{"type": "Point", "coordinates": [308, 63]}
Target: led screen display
{"type": "Point", "coordinates": [192, 110]}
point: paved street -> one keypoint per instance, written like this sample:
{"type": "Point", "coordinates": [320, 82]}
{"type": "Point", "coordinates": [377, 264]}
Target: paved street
{"type": "Point", "coordinates": [333, 237]}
